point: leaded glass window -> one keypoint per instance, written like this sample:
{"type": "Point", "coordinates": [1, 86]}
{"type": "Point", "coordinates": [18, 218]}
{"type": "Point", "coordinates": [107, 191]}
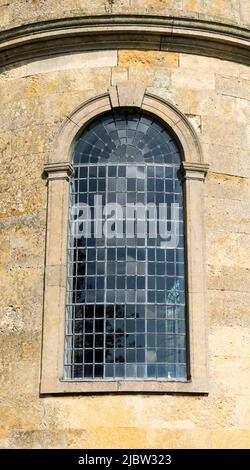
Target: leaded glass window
{"type": "Point", "coordinates": [126, 316]}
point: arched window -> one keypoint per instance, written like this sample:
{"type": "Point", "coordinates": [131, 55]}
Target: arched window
{"type": "Point", "coordinates": [126, 314]}
{"type": "Point", "coordinates": [134, 286]}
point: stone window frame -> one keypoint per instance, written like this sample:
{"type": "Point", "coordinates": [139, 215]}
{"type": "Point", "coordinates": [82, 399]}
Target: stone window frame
{"type": "Point", "coordinates": [58, 171]}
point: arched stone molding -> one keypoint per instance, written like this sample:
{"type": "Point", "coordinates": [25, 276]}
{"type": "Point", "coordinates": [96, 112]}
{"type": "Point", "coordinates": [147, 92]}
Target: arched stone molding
{"type": "Point", "coordinates": [166, 33]}
{"type": "Point", "coordinates": [131, 95]}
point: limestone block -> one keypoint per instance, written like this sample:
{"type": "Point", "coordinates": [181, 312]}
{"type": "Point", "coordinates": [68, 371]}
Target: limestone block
{"type": "Point", "coordinates": [15, 85]}
{"type": "Point", "coordinates": [40, 100]}
{"type": "Point", "coordinates": [5, 145]}
{"type": "Point", "coordinates": [190, 101]}
{"type": "Point", "coordinates": [74, 413]}
{"type": "Point", "coordinates": [156, 78]}
{"type": "Point", "coordinates": [205, 103]}
{"type": "Point", "coordinates": [4, 14]}
{"type": "Point", "coordinates": [81, 80]}
{"type": "Point", "coordinates": [107, 438]}
{"type": "Point", "coordinates": [162, 92]}
{"type": "Point", "coordinates": [23, 190]}
{"type": "Point", "coordinates": [243, 161]}
{"type": "Point", "coordinates": [193, 5]}
{"type": "Point", "coordinates": [22, 247]}
{"type": "Point", "coordinates": [29, 141]}
{"type": "Point", "coordinates": [242, 114]}
{"type": "Point", "coordinates": [245, 11]}
{"type": "Point", "coordinates": [228, 249]}
{"type": "Point", "coordinates": [236, 87]}
{"type": "Point", "coordinates": [11, 320]}
{"type": "Point", "coordinates": [73, 61]}
{"type": "Point", "coordinates": [186, 78]}
{"type": "Point", "coordinates": [20, 12]}
{"type": "Point", "coordinates": [143, 412]}
{"type": "Point", "coordinates": [229, 342]}
{"type": "Point", "coordinates": [224, 379]}
{"type": "Point", "coordinates": [206, 64]}
{"type": "Point", "coordinates": [4, 439]}
{"type": "Point", "coordinates": [230, 439]}
{"type": "Point", "coordinates": [162, 77]}
{"type": "Point", "coordinates": [158, 413]}
{"type": "Point", "coordinates": [228, 307]}
{"type": "Point", "coordinates": [150, 6]}
{"type": "Point", "coordinates": [231, 160]}
{"type": "Point", "coordinates": [195, 120]}
{"type": "Point", "coordinates": [228, 278]}
{"type": "Point", "coordinates": [142, 75]}
{"type": "Point", "coordinates": [223, 131]}
{"type": "Point", "coordinates": [20, 112]}
{"type": "Point", "coordinates": [22, 286]}
{"type": "Point", "coordinates": [137, 412]}
{"type": "Point", "coordinates": [30, 419]}
{"type": "Point", "coordinates": [218, 8]}
{"type": "Point", "coordinates": [148, 58]}
{"type": "Point", "coordinates": [231, 215]}
{"type": "Point", "coordinates": [5, 252]}
{"type": "Point", "coordinates": [37, 440]}
{"type": "Point", "coordinates": [127, 94]}
{"type": "Point", "coordinates": [16, 363]}
{"type": "Point", "coordinates": [176, 439]}
{"type": "Point", "coordinates": [245, 370]}
{"type": "Point", "coordinates": [58, 106]}
{"type": "Point", "coordinates": [229, 373]}
{"type": "Point", "coordinates": [119, 74]}
{"type": "Point", "coordinates": [223, 186]}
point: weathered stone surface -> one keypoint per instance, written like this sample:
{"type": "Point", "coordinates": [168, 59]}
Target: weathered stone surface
{"type": "Point", "coordinates": [37, 440]}
{"type": "Point", "coordinates": [154, 78]}
{"type": "Point", "coordinates": [186, 78]}
{"type": "Point", "coordinates": [231, 215]}
{"type": "Point", "coordinates": [176, 439]}
{"type": "Point", "coordinates": [230, 439]}
{"type": "Point", "coordinates": [119, 74]}
{"type": "Point", "coordinates": [215, 7]}
{"type": "Point", "coordinates": [227, 278]}
{"type": "Point", "coordinates": [35, 98]}
{"type": "Point", "coordinates": [223, 186]}
{"type": "Point", "coordinates": [21, 11]}
{"type": "Point", "coordinates": [223, 68]}
{"type": "Point", "coordinates": [107, 438]}
{"type": "Point", "coordinates": [238, 88]}
{"type": "Point", "coordinates": [214, 132]}
{"type": "Point", "coordinates": [232, 249]}
{"type": "Point", "coordinates": [228, 308]}
{"type": "Point", "coordinates": [148, 58]}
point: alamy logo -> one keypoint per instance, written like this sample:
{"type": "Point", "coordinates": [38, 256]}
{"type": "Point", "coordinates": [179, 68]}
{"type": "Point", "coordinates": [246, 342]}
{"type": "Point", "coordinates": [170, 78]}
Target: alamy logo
{"type": "Point", "coordinates": [128, 221]}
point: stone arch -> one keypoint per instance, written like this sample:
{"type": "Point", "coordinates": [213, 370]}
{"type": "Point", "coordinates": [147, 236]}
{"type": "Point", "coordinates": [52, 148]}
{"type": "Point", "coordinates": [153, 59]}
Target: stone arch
{"type": "Point", "coordinates": [130, 95]}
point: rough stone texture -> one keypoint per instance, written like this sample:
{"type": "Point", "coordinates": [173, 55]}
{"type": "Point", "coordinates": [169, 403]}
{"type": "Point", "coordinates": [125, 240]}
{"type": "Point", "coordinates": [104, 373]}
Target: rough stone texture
{"type": "Point", "coordinates": [17, 12]}
{"type": "Point", "coordinates": [147, 58]}
{"type": "Point", "coordinates": [35, 98]}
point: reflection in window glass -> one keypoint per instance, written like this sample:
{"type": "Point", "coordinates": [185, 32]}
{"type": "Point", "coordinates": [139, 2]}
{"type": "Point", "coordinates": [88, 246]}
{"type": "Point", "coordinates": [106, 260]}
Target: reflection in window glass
{"type": "Point", "coordinates": [126, 316]}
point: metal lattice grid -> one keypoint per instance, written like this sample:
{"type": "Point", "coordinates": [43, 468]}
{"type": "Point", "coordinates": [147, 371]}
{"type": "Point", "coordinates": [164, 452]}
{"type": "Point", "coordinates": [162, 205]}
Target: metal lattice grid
{"type": "Point", "coordinates": [126, 296]}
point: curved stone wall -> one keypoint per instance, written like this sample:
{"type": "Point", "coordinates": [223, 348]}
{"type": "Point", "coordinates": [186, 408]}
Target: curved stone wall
{"type": "Point", "coordinates": [35, 97]}
{"type": "Point", "coordinates": [18, 12]}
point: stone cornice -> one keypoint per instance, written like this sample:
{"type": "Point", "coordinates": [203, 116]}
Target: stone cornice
{"type": "Point", "coordinates": [57, 171]}
{"type": "Point", "coordinates": [194, 170]}
{"type": "Point", "coordinates": [195, 36]}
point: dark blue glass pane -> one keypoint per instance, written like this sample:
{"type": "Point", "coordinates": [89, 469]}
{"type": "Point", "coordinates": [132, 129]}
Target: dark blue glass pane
{"type": "Point", "coordinates": [126, 293]}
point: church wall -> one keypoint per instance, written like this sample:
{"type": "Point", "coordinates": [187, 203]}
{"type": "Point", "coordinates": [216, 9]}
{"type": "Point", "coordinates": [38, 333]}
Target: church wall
{"type": "Point", "coordinates": [35, 97]}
